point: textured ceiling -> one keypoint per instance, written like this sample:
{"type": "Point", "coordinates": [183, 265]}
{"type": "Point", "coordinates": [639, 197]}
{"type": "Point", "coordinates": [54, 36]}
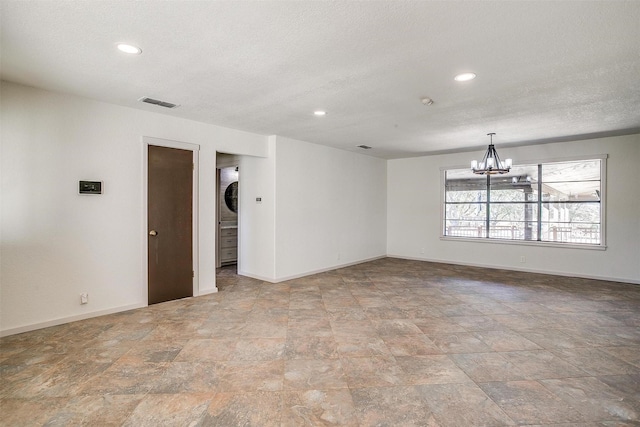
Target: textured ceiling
{"type": "Point", "coordinates": [546, 70]}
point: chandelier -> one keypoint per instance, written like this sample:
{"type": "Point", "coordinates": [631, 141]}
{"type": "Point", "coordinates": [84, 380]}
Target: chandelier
{"type": "Point", "coordinates": [491, 163]}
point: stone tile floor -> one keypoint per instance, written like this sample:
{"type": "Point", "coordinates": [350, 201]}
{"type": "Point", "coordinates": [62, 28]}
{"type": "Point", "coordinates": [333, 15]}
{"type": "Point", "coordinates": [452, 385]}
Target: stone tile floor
{"type": "Point", "coordinates": [385, 343]}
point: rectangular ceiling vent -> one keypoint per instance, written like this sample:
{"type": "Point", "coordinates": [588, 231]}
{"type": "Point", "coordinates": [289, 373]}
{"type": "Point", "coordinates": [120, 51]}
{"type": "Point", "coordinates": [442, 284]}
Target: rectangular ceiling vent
{"type": "Point", "coordinates": [364, 147]}
{"type": "Point", "coordinates": [157, 102]}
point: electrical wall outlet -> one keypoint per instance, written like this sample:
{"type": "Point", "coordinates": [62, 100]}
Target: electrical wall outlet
{"type": "Point", "coordinates": [522, 260]}
{"type": "Point", "coordinates": [84, 298]}
{"type": "Point", "coordinates": [422, 251]}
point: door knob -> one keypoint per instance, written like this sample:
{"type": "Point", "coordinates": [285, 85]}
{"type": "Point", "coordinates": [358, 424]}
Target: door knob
{"type": "Point", "coordinates": [153, 233]}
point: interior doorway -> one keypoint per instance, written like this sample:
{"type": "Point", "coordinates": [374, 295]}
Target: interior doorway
{"type": "Point", "coordinates": [227, 190]}
{"type": "Point", "coordinates": [170, 223]}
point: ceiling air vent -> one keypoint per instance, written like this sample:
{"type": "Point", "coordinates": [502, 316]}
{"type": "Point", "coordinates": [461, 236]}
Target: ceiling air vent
{"type": "Point", "coordinates": [157, 102]}
{"type": "Point", "coordinates": [364, 147]}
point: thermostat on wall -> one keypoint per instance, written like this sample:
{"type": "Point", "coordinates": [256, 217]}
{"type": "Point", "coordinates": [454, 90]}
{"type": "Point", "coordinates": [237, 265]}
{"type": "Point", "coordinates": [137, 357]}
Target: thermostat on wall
{"type": "Point", "coordinates": [90, 187]}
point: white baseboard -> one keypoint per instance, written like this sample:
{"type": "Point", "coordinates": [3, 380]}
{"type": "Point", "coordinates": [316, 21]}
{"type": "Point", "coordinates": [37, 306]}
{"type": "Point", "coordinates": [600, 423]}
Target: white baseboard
{"type": "Point", "coordinates": [323, 270]}
{"type": "Point", "coordinates": [256, 276]}
{"type": "Point", "coordinates": [525, 270]}
{"type": "Point", "coordinates": [69, 319]}
{"type": "Point", "coordinates": [308, 273]}
{"type": "Point", "coordinates": [207, 291]}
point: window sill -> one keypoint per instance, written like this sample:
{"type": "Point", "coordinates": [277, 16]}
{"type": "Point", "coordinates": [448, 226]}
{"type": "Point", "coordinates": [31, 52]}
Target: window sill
{"type": "Point", "coordinates": [525, 243]}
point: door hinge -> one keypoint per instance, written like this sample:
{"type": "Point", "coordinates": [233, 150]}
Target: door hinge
{"type": "Point", "coordinates": [193, 166]}
{"type": "Point", "coordinates": [193, 273]}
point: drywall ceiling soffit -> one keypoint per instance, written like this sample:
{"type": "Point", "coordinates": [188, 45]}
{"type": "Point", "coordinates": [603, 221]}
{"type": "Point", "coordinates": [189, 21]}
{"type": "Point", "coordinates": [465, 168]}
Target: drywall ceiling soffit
{"type": "Point", "coordinates": [546, 70]}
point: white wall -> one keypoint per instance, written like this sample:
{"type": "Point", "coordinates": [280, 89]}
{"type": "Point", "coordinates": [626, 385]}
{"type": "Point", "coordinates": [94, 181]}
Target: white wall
{"type": "Point", "coordinates": [330, 208]}
{"type": "Point", "coordinates": [414, 214]}
{"type": "Point", "coordinates": [256, 239]}
{"type": "Point", "coordinates": [56, 243]}
{"type": "Point", "coordinates": [321, 208]}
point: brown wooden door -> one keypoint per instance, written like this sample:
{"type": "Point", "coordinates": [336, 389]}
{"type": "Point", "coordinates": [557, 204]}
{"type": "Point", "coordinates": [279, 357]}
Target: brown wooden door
{"type": "Point", "coordinates": [170, 201]}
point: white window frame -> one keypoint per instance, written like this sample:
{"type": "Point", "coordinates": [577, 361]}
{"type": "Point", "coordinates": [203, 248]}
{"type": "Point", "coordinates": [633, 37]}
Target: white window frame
{"type": "Point", "coordinates": [603, 211]}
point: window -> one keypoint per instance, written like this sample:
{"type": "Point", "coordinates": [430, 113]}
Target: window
{"type": "Point", "coordinates": [556, 202]}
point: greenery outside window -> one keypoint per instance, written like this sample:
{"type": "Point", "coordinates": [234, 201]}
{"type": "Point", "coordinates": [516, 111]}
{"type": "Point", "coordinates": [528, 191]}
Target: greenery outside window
{"type": "Point", "coordinates": [558, 202]}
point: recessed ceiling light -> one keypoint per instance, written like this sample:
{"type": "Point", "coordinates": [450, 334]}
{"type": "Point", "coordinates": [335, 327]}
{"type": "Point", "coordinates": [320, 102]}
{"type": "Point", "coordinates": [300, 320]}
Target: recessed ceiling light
{"type": "Point", "coordinates": [129, 48]}
{"type": "Point", "coordinates": [320, 113]}
{"type": "Point", "coordinates": [465, 77]}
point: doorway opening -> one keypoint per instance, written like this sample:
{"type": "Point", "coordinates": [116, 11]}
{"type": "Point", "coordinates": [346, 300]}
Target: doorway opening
{"type": "Point", "coordinates": [227, 190]}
